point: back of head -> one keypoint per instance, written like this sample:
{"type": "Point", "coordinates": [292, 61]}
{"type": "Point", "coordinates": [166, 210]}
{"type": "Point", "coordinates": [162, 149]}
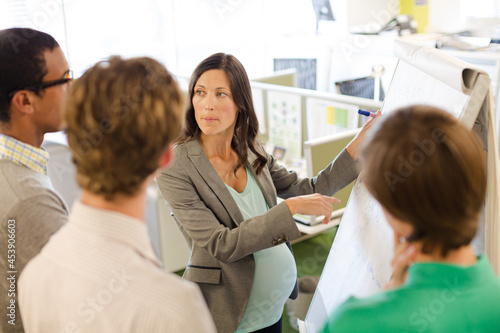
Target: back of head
{"type": "Point", "coordinates": [121, 117]}
{"type": "Point", "coordinates": [427, 169]}
{"type": "Point", "coordinates": [22, 62]}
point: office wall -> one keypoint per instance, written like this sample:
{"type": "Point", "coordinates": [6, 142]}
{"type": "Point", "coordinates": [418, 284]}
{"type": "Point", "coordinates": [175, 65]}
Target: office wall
{"type": "Point", "coordinates": [242, 28]}
{"type": "Point", "coordinates": [180, 33]}
{"type": "Point", "coordinates": [361, 12]}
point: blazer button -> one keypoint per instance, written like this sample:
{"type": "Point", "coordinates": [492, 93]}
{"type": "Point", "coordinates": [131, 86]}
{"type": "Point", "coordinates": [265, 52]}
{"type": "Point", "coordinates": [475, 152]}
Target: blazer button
{"type": "Point", "coordinates": [275, 242]}
{"type": "Point", "coordinates": [280, 240]}
{"type": "Point", "coordinates": [285, 238]}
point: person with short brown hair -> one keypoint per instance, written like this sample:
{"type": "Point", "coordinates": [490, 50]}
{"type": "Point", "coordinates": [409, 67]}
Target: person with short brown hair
{"type": "Point", "coordinates": [100, 272]}
{"type": "Point", "coordinates": [428, 172]}
{"type": "Point", "coordinates": [427, 154]}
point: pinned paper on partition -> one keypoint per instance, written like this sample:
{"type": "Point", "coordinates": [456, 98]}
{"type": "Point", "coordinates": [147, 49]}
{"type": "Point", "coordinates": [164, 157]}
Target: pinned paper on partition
{"type": "Point", "coordinates": [285, 122]}
{"type": "Point", "coordinates": [330, 115]}
{"type": "Point", "coordinates": [326, 118]}
{"type": "Point", "coordinates": [337, 116]}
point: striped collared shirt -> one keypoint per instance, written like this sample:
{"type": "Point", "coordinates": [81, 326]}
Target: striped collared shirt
{"type": "Point", "coordinates": [23, 154]}
{"type": "Point", "coordinates": [99, 273]}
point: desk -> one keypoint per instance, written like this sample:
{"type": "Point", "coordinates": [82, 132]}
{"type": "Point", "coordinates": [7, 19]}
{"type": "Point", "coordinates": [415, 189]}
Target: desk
{"type": "Point", "coordinates": [311, 231]}
{"type": "Point", "coordinates": [174, 252]}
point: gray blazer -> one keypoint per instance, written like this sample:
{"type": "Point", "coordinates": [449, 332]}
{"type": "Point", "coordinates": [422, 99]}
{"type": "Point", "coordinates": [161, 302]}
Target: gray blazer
{"type": "Point", "coordinates": [221, 242]}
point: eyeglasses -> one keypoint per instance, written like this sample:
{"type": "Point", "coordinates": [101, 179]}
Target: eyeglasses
{"type": "Point", "coordinates": [44, 85]}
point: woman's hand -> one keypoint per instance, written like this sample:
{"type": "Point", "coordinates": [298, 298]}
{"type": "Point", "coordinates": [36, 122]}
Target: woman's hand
{"type": "Point", "coordinates": [353, 146]}
{"type": "Point", "coordinates": [404, 256]}
{"type": "Point", "coordinates": [312, 204]}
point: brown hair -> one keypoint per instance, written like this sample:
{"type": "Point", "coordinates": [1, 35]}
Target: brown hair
{"type": "Point", "coordinates": [247, 125]}
{"type": "Point", "coordinates": [427, 169]}
{"type": "Point", "coordinates": [121, 117]}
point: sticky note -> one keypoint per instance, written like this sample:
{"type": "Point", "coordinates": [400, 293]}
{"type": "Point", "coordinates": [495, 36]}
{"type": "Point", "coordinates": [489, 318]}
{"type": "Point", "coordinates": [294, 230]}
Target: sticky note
{"type": "Point", "coordinates": [341, 117]}
{"type": "Point", "coordinates": [330, 115]}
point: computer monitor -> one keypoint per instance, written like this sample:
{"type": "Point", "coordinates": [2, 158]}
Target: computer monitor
{"type": "Point", "coordinates": [323, 10]}
{"type": "Point", "coordinates": [306, 70]}
{"type": "Point", "coordinates": [362, 87]}
{"type": "Point", "coordinates": [284, 77]}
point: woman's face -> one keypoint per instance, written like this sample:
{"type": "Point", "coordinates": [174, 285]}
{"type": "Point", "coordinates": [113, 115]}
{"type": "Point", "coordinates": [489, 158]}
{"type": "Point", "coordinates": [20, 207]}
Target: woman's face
{"type": "Point", "coordinates": [214, 107]}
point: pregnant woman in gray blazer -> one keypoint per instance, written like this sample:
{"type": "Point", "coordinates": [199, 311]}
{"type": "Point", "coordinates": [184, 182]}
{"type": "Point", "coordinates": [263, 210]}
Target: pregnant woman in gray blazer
{"type": "Point", "coordinates": [222, 188]}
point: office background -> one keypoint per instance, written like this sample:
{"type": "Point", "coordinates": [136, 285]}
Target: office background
{"type": "Point", "coordinates": [180, 33]}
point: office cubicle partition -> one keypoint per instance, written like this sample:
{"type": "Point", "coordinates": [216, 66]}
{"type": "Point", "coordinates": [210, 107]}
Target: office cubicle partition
{"type": "Point", "coordinates": [290, 116]}
{"type": "Point", "coordinates": [320, 152]}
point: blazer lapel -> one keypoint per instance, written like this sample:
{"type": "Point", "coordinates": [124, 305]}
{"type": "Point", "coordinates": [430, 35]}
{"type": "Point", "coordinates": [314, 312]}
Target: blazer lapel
{"type": "Point", "coordinates": [212, 179]}
{"type": "Point", "coordinates": [264, 181]}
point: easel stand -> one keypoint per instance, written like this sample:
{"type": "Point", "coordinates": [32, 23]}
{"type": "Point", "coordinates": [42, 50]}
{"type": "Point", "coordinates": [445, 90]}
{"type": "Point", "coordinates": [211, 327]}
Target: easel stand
{"type": "Point", "coordinates": [492, 209]}
{"type": "Point", "coordinates": [483, 126]}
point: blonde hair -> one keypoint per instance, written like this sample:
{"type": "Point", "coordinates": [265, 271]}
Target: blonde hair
{"type": "Point", "coordinates": [121, 117]}
{"type": "Point", "coordinates": [427, 169]}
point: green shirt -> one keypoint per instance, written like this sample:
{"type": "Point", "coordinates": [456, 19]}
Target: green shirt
{"type": "Point", "coordinates": [436, 297]}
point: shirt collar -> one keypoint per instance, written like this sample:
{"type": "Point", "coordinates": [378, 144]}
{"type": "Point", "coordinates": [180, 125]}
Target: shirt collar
{"type": "Point", "coordinates": [116, 226]}
{"type": "Point", "coordinates": [449, 275]}
{"type": "Point", "coordinates": [23, 154]}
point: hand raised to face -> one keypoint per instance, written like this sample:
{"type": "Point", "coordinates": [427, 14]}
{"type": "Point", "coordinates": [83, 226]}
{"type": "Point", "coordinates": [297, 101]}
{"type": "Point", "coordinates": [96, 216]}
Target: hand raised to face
{"type": "Point", "coordinates": [404, 255]}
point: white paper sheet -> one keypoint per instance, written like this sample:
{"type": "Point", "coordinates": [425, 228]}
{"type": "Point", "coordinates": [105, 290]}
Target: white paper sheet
{"type": "Point", "coordinates": [454, 72]}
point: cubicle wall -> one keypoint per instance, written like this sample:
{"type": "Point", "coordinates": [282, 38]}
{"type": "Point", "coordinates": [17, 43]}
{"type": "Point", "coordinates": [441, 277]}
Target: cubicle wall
{"type": "Point", "coordinates": [319, 153]}
{"type": "Point", "coordinates": [290, 116]}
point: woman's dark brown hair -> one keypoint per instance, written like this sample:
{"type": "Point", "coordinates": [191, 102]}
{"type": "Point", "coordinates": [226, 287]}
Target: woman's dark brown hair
{"type": "Point", "coordinates": [427, 169]}
{"type": "Point", "coordinates": [247, 125]}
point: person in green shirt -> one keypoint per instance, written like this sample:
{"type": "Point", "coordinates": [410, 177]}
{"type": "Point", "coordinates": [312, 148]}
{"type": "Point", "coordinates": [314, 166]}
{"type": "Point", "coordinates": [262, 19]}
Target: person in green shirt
{"type": "Point", "coordinates": [428, 172]}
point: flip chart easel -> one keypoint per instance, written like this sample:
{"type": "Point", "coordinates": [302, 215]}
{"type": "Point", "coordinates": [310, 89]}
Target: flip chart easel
{"type": "Point", "coordinates": [359, 260]}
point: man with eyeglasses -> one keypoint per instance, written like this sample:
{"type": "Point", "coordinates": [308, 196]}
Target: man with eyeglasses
{"type": "Point", "coordinates": [34, 78]}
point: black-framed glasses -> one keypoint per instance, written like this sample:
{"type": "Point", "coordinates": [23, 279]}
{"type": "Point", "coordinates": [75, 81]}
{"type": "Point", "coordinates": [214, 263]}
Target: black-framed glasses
{"type": "Point", "coordinates": [44, 85]}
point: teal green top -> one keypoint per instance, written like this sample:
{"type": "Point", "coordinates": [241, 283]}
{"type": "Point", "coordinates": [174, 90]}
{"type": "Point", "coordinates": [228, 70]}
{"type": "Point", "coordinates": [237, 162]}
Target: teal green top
{"type": "Point", "coordinates": [275, 272]}
{"type": "Point", "coordinates": [436, 297]}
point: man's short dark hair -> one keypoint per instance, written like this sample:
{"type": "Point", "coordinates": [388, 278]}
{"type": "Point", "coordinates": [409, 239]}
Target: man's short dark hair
{"type": "Point", "coordinates": [22, 63]}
